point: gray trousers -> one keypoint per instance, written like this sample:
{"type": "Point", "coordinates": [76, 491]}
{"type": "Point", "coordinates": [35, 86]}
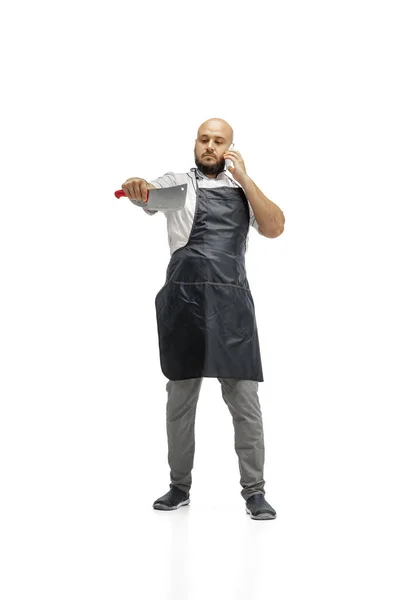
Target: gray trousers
{"type": "Point", "coordinates": [242, 400]}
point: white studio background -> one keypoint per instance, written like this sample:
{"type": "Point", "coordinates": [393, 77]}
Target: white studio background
{"type": "Point", "coordinates": [94, 93]}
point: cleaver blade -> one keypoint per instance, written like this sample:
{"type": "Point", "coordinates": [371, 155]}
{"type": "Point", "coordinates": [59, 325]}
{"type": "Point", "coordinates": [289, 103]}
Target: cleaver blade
{"type": "Point", "coordinates": [169, 198]}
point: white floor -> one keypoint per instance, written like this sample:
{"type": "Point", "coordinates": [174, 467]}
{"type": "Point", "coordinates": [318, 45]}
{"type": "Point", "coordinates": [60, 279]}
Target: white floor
{"type": "Point", "coordinates": [77, 518]}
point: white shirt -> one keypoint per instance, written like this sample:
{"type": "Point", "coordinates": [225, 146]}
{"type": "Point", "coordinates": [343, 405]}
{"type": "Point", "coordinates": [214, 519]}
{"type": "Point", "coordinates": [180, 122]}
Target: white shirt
{"type": "Point", "coordinates": [179, 222]}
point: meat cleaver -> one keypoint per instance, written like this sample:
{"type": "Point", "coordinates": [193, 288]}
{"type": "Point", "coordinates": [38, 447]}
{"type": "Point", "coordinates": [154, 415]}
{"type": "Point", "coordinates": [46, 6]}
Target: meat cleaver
{"type": "Point", "coordinates": [169, 198]}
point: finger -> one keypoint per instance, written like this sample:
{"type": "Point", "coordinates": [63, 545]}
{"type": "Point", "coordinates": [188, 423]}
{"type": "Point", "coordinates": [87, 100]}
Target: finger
{"type": "Point", "coordinates": [126, 188]}
{"type": "Point", "coordinates": [143, 189]}
{"type": "Point", "coordinates": [129, 185]}
{"type": "Point", "coordinates": [137, 193]}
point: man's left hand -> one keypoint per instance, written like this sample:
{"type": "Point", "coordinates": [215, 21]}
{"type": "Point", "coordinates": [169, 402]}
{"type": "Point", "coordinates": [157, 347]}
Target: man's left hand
{"type": "Point", "coordinates": [238, 169]}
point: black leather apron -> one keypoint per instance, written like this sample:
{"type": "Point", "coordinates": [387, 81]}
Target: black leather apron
{"type": "Point", "coordinates": [205, 311]}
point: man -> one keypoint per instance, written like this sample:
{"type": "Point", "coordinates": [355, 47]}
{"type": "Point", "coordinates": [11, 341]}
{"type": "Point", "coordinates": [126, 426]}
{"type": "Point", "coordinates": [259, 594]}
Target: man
{"type": "Point", "coordinates": [205, 311]}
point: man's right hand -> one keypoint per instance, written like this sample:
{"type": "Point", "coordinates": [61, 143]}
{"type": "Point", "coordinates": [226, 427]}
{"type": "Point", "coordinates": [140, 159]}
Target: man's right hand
{"type": "Point", "coordinates": [136, 188]}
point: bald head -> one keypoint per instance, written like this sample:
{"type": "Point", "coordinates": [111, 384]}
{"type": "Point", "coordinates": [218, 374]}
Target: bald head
{"type": "Point", "coordinates": [214, 138]}
{"type": "Point", "coordinates": [217, 127]}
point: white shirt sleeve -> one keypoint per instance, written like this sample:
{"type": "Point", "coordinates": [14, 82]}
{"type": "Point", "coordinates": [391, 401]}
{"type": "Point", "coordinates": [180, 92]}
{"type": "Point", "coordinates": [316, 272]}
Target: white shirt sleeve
{"type": "Point", "coordinates": [253, 221]}
{"type": "Point", "coordinates": [167, 180]}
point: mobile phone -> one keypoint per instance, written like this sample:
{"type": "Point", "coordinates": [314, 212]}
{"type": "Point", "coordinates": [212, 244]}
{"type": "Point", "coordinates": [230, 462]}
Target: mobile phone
{"type": "Point", "coordinates": [228, 162]}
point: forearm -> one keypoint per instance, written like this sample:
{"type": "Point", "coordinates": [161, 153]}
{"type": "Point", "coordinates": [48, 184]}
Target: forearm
{"type": "Point", "coordinates": [269, 216]}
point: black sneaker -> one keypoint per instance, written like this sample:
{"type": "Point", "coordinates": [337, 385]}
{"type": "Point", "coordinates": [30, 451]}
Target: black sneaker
{"type": "Point", "coordinates": [258, 508]}
{"type": "Point", "coordinates": [172, 499]}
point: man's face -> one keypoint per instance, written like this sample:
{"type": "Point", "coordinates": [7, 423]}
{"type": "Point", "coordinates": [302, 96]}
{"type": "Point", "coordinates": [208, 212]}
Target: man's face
{"type": "Point", "coordinates": [209, 148]}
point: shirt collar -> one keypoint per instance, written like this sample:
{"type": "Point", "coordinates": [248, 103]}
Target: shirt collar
{"type": "Point", "coordinates": [223, 174]}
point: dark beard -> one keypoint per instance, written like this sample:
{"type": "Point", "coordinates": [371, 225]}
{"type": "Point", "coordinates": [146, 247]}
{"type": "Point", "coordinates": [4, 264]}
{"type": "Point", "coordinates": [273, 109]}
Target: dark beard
{"type": "Point", "coordinates": [207, 168]}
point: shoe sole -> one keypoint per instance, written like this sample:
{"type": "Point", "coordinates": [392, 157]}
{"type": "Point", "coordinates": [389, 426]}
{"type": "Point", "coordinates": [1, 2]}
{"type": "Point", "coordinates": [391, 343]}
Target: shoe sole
{"type": "Point", "coordinates": [163, 507]}
{"type": "Point", "coordinates": [261, 517]}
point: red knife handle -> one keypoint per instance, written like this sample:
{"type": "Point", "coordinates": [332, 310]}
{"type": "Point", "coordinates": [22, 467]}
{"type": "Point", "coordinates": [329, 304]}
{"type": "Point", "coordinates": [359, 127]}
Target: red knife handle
{"type": "Point", "coordinates": [120, 193]}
